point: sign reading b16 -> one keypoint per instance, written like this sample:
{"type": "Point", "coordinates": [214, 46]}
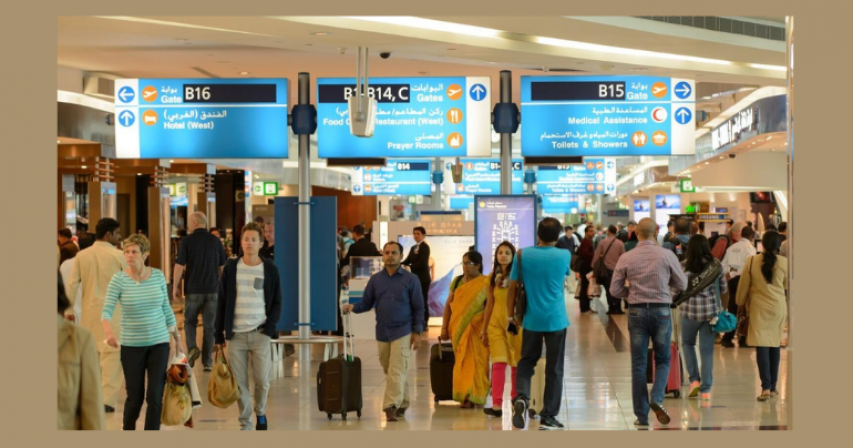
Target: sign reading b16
{"type": "Point", "coordinates": [201, 118]}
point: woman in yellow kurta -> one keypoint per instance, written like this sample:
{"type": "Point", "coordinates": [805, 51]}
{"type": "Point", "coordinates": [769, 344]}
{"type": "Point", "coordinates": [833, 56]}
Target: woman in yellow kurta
{"type": "Point", "coordinates": [504, 347]}
{"type": "Point", "coordinates": [463, 324]}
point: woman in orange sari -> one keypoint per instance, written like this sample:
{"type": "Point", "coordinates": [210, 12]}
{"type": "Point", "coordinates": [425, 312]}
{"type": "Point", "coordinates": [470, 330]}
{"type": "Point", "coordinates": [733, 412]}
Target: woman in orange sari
{"type": "Point", "coordinates": [462, 325]}
{"type": "Point", "coordinates": [504, 347]}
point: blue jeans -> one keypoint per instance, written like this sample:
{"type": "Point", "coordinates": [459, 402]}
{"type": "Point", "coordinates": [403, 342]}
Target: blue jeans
{"type": "Point", "coordinates": [690, 329]}
{"type": "Point", "coordinates": [555, 353]}
{"type": "Point", "coordinates": [643, 324]}
{"type": "Point", "coordinates": [768, 366]}
{"type": "Point", "coordinates": [206, 304]}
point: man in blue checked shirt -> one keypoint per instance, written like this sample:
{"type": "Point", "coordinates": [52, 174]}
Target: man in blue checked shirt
{"type": "Point", "coordinates": [396, 295]}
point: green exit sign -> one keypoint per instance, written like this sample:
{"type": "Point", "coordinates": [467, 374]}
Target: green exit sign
{"type": "Point", "coordinates": [687, 186]}
{"type": "Point", "coordinates": [270, 188]}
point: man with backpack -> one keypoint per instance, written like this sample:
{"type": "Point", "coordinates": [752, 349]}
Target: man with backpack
{"type": "Point", "coordinates": [569, 242]}
{"type": "Point", "coordinates": [678, 242]}
{"type": "Point", "coordinates": [733, 266]}
{"type": "Point", "coordinates": [609, 257]}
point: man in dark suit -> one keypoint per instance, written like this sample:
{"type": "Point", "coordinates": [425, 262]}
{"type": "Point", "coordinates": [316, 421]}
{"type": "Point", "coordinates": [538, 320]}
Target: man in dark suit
{"type": "Point", "coordinates": [361, 247]}
{"type": "Point", "coordinates": [418, 260]}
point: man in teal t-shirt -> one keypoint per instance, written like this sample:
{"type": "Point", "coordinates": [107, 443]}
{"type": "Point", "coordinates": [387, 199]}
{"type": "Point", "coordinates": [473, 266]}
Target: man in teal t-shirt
{"type": "Point", "coordinates": [544, 267]}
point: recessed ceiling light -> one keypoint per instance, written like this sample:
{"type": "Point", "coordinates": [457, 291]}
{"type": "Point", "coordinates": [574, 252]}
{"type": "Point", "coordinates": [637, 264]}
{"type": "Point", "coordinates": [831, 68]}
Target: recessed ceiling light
{"type": "Point", "coordinates": [171, 161]}
{"type": "Point", "coordinates": [321, 33]}
{"type": "Point", "coordinates": [244, 73]}
{"type": "Point", "coordinates": [58, 141]}
{"type": "Point", "coordinates": [84, 167]}
{"type": "Point", "coordinates": [707, 163]}
{"type": "Point", "coordinates": [257, 177]}
{"type": "Point", "coordinates": [138, 174]}
{"type": "Point", "coordinates": [181, 40]}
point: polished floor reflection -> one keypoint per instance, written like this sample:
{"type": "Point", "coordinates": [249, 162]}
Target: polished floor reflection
{"type": "Point", "coordinates": [596, 396]}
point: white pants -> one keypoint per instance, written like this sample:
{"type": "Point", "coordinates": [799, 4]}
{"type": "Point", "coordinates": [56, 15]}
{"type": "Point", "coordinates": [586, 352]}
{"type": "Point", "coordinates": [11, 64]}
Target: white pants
{"type": "Point", "coordinates": [242, 347]}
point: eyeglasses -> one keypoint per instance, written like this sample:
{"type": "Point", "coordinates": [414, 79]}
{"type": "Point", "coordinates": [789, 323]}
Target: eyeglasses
{"type": "Point", "coordinates": [470, 263]}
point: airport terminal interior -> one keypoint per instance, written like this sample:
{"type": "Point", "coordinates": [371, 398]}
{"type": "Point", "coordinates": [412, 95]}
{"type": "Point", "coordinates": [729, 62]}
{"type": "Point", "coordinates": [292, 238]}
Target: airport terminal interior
{"type": "Point", "coordinates": [323, 135]}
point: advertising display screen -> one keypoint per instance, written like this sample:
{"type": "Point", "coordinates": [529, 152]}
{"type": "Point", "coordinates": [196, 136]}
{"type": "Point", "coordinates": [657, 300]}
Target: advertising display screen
{"type": "Point", "coordinates": [445, 263]}
{"type": "Point", "coordinates": [503, 218]}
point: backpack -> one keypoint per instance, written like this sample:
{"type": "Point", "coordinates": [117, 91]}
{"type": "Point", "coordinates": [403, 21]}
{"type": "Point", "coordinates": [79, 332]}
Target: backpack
{"type": "Point", "coordinates": [713, 241]}
{"type": "Point", "coordinates": [679, 249]}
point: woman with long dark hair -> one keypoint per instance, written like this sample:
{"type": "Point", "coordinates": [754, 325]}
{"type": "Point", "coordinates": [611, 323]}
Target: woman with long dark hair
{"type": "Point", "coordinates": [762, 291]}
{"type": "Point", "coordinates": [504, 347]}
{"type": "Point", "coordinates": [463, 324]}
{"type": "Point", "coordinates": [696, 316]}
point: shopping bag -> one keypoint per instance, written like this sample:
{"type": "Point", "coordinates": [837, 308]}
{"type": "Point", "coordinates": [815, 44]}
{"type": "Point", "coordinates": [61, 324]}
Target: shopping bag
{"type": "Point", "coordinates": [222, 389]}
{"type": "Point", "coordinates": [177, 403]}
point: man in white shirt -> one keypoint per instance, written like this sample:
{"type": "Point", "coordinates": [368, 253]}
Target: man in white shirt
{"type": "Point", "coordinates": [733, 267]}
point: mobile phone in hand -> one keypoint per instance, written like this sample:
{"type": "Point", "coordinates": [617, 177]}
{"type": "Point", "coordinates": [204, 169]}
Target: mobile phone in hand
{"type": "Point", "coordinates": [512, 328]}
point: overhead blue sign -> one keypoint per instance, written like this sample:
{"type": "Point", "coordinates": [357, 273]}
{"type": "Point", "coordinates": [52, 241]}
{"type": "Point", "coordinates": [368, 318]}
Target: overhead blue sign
{"type": "Point", "coordinates": [461, 202]}
{"type": "Point", "coordinates": [593, 176]}
{"type": "Point", "coordinates": [503, 218]}
{"type": "Point", "coordinates": [606, 116]}
{"type": "Point", "coordinates": [397, 177]}
{"type": "Point", "coordinates": [416, 117]}
{"type": "Point", "coordinates": [560, 203]}
{"type": "Point", "coordinates": [201, 118]}
{"type": "Point", "coordinates": [483, 176]}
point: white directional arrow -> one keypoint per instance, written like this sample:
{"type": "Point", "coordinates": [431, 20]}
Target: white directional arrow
{"type": "Point", "coordinates": [479, 90]}
{"type": "Point", "coordinates": [124, 94]}
{"type": "Point", "coordinates": [126, 117]}
{"type": "Point", "coordinates": [685, 89]}
{"type": "Point", "coordinates": [682, 114]}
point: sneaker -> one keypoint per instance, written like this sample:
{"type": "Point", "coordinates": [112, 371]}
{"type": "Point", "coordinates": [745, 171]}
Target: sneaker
{"type": "Point", "coordinates": [391, 414]}
{"type": "Point", "coordinates": [694, 389]}
{"type": "Point", "coordinates": [192, 355]}
{"type": "Point", "coordinates": [401, 412]}
{"type": "Point", "coordinates": [765, 395]}
{"type": "Point", "coordinates": [262, 423]}
{"type": "Point", "coordinates": [208, 368]}
{"type": "Point", "coordinates": [641, 425]}
{"type": "Point", "coordinates": [109, 409]}
{"type": "Point", "coordinates": [706, 396]}
{"type": "Point", "coordinates": [727, 344]}
{"type": "Point", "coordinates": [519, 413]}
{"type": "Point", "coordinates": [493, 412]}
{"type": "Point", "coordinates": [774, 393]}
{"type": "Point", "coordinates": [550, 424]}
{"type": "Point", "coordinates": [660, 413]}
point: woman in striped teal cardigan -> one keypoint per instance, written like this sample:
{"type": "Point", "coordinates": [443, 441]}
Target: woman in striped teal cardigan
{"type": "Point", "coordinates": [147, 320]}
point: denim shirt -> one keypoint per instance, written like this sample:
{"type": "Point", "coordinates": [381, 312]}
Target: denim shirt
{"type": "Point", "coordinates": [398, 301]}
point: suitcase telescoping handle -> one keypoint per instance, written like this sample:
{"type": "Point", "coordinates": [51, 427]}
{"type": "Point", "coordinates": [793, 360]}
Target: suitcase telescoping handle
{"type": "Point", "coordinates": [348, 336]}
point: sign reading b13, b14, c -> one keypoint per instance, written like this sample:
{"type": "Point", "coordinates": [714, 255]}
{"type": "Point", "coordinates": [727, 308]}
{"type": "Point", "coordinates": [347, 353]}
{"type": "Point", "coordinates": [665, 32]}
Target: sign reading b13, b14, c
{"type": "Point", "coordinates": [416, 117]}
{"type": "Point", "coordinates": [606, 116]}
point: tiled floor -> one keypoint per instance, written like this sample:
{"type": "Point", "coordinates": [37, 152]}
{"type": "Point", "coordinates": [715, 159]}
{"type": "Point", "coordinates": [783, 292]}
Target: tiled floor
{"type": "Point", "coordinates": [596, 396]}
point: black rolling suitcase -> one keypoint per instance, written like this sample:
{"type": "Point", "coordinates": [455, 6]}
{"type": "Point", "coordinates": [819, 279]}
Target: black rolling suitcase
{"type": "Point", "coordinates": [339, 381]}
{"type": "Point", "coordinates": [441, 363]}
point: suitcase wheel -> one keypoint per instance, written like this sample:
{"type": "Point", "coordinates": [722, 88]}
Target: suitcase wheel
{"type": "Point", "coordinates": [358, 414]}
{"type": "Point", "coordinates": [344, 416]}
{"type": "Point", "coordinates": [676, 394]}
{"type": "Point", "coordinates": [531, 412]}
{"type": "Point", "coordinates": [329, 415]}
